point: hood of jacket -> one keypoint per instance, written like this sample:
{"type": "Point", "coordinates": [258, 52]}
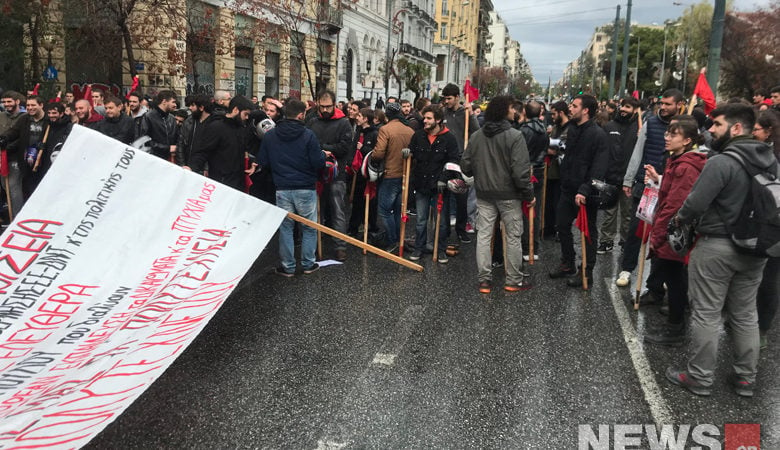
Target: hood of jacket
{"type": "Point", "coordinates": [289, 129]}
{"type": "Point", "coordinates": [535, 125]}
{"type": "Point", "coordinates": [755, 152]}
{"type": "Point", "coordinates": [337, 114]}
{"type": "Point", "coordinates": [495, 128]}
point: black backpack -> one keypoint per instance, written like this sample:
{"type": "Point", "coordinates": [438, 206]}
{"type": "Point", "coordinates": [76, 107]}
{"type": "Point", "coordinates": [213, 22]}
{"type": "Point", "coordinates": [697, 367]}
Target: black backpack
{"type": "Point", "coordinates": [757, 229]}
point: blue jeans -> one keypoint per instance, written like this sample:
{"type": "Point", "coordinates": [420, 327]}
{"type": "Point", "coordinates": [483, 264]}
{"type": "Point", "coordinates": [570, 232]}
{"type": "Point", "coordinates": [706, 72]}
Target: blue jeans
{"type": "Point", "coordinates": [424, 202]}
{"type": "Point", "coordinates": [304, 203]}
{"type": "Point", "coordinates": [389, 205]}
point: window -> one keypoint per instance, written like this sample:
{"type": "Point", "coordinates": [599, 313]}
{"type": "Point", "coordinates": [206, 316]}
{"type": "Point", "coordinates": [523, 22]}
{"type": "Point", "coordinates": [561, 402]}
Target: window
{"type": "Point", "coordinates": [272, 74]}
{"type": "Point", "coordinates": [443, 31]}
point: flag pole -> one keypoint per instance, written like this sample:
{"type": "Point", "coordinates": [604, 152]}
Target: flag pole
{"type": "Point", "coordinates": [584, 261]}
{"type": "Point", "coordinates": [439, 203]}
{"type": "Point", "coordinates": [404, 198]}
{"type": "Point", "coordinates": [365, 220]}
{"type": "Point", "coordinates": [355, 242]}
{"type": "Point", "coordinates": [319, 234]}
{"type": "Point", "coordinates": [640, 273]}
{"type": "Point", "coordinates": [531, 216]}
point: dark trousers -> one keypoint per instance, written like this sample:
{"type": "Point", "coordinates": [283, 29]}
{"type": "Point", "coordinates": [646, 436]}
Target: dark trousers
{"type": "Point", "coordinates": [633, 244]}
{"type": "Point", "coordinates": [768, 294]}
{"type": "Point", "coordinates": [566, 214]}
{"type": "Point", "coordinates": [461, 212]}
{"type": "Point", "coordinates": [675, 275]}
{"type": "Point", "coordinates": [358, 209]}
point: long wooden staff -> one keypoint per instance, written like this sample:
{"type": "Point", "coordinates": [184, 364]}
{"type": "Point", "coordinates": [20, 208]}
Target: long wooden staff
{"type": "Point", "coordinates": [8, 198]}
{"type": "Point", "coordinates": [439, 204]}
{"type": "Point", "coordinates": [640, 274]}
{"type": "Point", "coordinates": [352, 189]}
{"type": "Point", "coordinates": [584, 261]}
{"type": "Point", "coordinates": [40, 151]}
{"type": "Point", "coordinates": [319, 234]}
{"type": "Point", "coordinates": [404, 193]}
{"type": "Point", "coordinates": [467, 119]}
{"type": "Point", "coordinates": [692, 104]}
{"type": "Point", "coordinates": [365, 221]}
{"type": "Point", "coordinates": [355, 242]}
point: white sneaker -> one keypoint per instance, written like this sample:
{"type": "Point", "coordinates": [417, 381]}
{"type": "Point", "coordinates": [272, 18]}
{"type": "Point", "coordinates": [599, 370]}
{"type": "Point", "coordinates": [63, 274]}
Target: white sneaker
{"type": "Point", "coordinates": [623, 279]}
{"type": "Point", "coordinates": [526, 258]}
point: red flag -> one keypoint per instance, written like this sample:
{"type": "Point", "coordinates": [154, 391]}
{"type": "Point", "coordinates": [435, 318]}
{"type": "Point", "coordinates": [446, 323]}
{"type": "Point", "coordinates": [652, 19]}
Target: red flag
{"type": "Point", "coordinates": [370, 190]}
{"type": "Point", "coordinates": [133, 87]}
{"type": "Point", "coordinates": [704, 92]}
{"type": "Point", "coordinates": [470, 91]}
{"type": "Point", "coordinates": [526, 209]}
{"type": "Point", "coordinates": [439, 202]}
{"type": "Point", "coordinates": [4, 163]}
{"type": "Point", "coordinates": [35, 89]}
{"type": "Point", "coordinates": [318, 186]}
{"type": "Point", "coordinates": [88, 94]}
{"type": "Point", "coordinates": [643, 231]}
{"type": "Point", "coordinates": [582, 221]}
{"type": "Point", "coordinates": [635, 94]}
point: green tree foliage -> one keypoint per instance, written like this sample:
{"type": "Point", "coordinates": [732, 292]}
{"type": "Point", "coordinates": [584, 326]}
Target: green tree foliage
{"type": "Point", "coordinates": [414, 75]}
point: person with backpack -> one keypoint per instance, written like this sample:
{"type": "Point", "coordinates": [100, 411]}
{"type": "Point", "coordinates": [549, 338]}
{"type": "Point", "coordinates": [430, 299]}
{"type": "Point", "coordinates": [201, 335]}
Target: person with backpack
{"type": "Point", "coordinates": [682, 170]}
{"type": "Point", "coordinates": [622, 131]}
{"type": "Point", "coordinates": [721, 274]}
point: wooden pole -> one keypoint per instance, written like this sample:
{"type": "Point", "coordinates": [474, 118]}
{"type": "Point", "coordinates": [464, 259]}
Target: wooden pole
{"type": "Point", "coordinates": [639, 119]}
{"type": "Point", "coordinates": [467, 119]}
{"type": "Point", "coordinates": [584, 261]}
{"type": "Point", "coordinates": [531, 216]}
{"type": "Point", "coordinates": [352, 189]}
{"type": "Point", "coordinates": [8, 198]}
{"type": "Point", "coordinates": [640, 273]}
{"type": "Point", "coordinates": [40, 151]}
{"type": "Point", "coordinates": [319, 234]}
{"type": "Point", "coordinates": [439, 204]}
{"type": "Point", "coordinates": [692, 103]}
{"type": "Point", "coordinates": [365, 221]}
{"type": "Point", "coordinates": [404, 193]}
{"type": "Point", "coordinates": [355, 242]}
{"type": "Point", "coordinates": [544, 200]}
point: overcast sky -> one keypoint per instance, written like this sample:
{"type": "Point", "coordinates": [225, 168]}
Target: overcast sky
{"type": "Point", "coordinates": [552, 33]}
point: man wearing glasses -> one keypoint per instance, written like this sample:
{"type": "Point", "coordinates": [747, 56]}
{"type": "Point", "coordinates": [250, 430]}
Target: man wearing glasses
{"type": "Point", "coordinates": [334, 133]}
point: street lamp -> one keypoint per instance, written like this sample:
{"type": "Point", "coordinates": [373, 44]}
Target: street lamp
{"type": "Point", "coordinates": [449, 34]}
{"type": "Point", "coordinates": [667, 23]}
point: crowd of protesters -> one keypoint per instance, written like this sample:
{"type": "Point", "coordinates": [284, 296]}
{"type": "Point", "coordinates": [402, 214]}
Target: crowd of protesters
{"type": "Point", "coordinates": [494, 173]}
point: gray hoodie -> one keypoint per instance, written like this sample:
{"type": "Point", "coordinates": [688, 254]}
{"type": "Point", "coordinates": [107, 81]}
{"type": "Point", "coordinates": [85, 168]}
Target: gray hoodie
{"type": "Point", "coordinates": [718, 195]}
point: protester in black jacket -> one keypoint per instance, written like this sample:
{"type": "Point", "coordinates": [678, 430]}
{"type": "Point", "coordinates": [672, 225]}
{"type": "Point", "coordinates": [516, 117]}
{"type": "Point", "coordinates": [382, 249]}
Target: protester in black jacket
{"type": "Point", "coordinates": [223, 146]}
{"type": "Point", "coordinates": [364, 142]}
{"type": "Point", "coordinates": [585, 160]}
{"type": "Point", "coordinates": [160, 125]}
{"type": "Point", "coordinates": [117, 125]}
{"type": "Point", "coordinates": [537, 141]}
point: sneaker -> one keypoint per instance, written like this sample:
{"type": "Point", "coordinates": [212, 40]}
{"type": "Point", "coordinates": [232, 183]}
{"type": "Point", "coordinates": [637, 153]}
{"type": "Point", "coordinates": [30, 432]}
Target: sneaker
{"type": "Point", "coordinates": [605, 247]}
{"type": "Point", "coordinates": [527, 258]}
{"type": "Point", "coordinates": [742, 387]}
{"type": "Point", "coordinates": [517, 287]}
{"type": "Point", "coordinates": [315, 267]}
{"type": "Point", "coordinates": [282, 272]}
{"type": "Point", "coordinates": [485, 287]}
{"type": "Point", "coordinates": [624, 278]}
{"type": "Point", "coordinates": [576, 281]}
{"type": "Point", "coordinates": [464, 237]}
{"type": "Point", "coordinates": [563, 271]}
{"type": "Point", "coordinates": [470, 229]}
{"type": "Point", "coordinates": [681, 378]}
{"type": "Point", "coordinates": [415, 255]}
{"type": "Point", "coordinates": [442, 258]}
{"type": "Point", "coordinates": [341, 255]}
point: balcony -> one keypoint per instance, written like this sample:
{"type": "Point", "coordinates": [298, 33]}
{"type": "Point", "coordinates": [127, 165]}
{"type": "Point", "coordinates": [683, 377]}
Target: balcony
{"type": "Point", "coordinates": [419, 53]}
{"type": "Point", "coordinates": [330, 19]}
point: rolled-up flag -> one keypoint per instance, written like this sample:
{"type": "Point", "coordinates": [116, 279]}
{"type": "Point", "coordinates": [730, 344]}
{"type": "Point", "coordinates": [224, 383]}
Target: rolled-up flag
{"type": "Point", "coordinates": [133, 87]}
{"type": "Point", "coordinates": [582, 222]}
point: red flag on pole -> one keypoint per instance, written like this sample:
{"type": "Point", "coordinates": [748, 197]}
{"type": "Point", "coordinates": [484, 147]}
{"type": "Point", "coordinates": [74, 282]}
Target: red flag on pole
{"type": "Point", "coordinates": [470, 91]}
{"type": "Point", "coordinates": [133, 87]}
{"type": "Point", "coordinates": [35, 89]}
{"type": "Point", "coordinates": [582, 222]}
{"type": "Point", "coordinates": [704, 92]}
{"type": "Point", "coordinates": [370, 190]}
{"type": "Point", "coordinates": [643, 236]}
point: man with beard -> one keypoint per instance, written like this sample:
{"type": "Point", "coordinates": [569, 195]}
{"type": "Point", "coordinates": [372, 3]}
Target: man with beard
{"type": "Point", "coordinates": [334, 134]}
{"type": "Point", "coordinates": [86, 116]}
{"type": "Point", "coordinates": [649, 149]}
{"type": "Point", "coordinates": [223, 146]}
{"type": "Point", "coordinates": [136, 110]}
{"type": "Point", "coordinates": [200, 108]}
{"type": "Point", "coordinates": [560, 119]}
{"type": "Point", "coordinates": [432, 148]}
{"type": "Point", "coordinates": [622, 131]}
{"type": "Point", "coordinates": [497, 158]}
{"type": "Point", "coordinates": [722, 278]}
{"type": "Point", "coordinates": [25, 137]}
{"type": "Point", "coordinates": [59, 126]}
{"type": "Point", "coordinates": [12, 103]}
{"type": "Point", "coordinates": [536, 140]}
{"type": "Point", "coordinates": [160, 125]}
{"type": "Point", "coordinates": [116, 124]}
{"type": "Point", "coordinates": [587, 150]}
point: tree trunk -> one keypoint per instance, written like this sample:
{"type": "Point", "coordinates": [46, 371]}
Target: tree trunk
{"type": "Point", "coordinates": [128, 41]}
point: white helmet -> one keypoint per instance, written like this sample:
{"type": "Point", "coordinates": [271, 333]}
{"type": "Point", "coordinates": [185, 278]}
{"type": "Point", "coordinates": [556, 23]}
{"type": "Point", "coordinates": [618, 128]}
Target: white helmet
{"type": "Point", "coordinates": [371, 170]}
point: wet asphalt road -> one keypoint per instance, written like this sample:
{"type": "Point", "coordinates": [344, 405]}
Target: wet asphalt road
{"type": "Point", "coordinates": [371, 355]}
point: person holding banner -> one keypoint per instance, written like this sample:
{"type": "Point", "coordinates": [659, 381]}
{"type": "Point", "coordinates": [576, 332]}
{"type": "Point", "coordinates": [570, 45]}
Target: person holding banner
{"type": "Point", "coordinates": [497, 158]}
{"type": "Point", "coordinates": [293, 154]}
{"type": "Point", "coordinates": [223, 146]}
{"type": "Point", "coordinates": [586, 158]}
{"type": "Point", "coordinates": [455, 116]}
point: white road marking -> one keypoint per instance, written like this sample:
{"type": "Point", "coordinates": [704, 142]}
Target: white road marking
{"type": "Point", "coordinates": [653, 395]}
{"type": "Point", "coordinates": [384, 359]}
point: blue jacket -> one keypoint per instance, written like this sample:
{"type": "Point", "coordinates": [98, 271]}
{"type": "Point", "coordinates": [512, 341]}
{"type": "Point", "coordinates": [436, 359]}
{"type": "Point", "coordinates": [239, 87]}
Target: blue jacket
{"type": "Point", "coordinates": [293, 154]}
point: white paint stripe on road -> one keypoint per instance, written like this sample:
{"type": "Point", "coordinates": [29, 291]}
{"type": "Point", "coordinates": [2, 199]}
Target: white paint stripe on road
{"type": "Point", "coordinates": [395, 342]}
{"type": "Point", "coordinates": [384, 359]}
{"type": "Point", "coordinates": [658, 407]}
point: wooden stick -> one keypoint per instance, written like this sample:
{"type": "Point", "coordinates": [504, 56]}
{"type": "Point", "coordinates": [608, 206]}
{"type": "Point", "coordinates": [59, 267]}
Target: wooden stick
{"type": "Point", "coordinates": [531, 216]}
{"type": "Point", "coordinates": [436, 231]}
{"type": "Point", "coordinates": [692, 104]}
{"type": "Point", "coordinates": [355, 242]}
{"type": "Point", "coordinates": [639, 119]}
{"type": "Point", "coordinates": [8, 198]}
{"type": "Point", "coordinates": [365, 221]}
{"type": "Point", "coordinates": [319, 234]}
{"type": "Point", "coordinates": [544, 200]}
{"type": "Point", "coordinates": [642, 255]}
{"type": "Point", "coordinates": [404, 193]}
{"type": "Point", "coordinates": [584, 261]}
{"type": "Point", "coordinates": [467, 119]}
{"type": "Point", "coordinates": [352, 189]}
{"type": "Point", "coordinates": [40, 151]}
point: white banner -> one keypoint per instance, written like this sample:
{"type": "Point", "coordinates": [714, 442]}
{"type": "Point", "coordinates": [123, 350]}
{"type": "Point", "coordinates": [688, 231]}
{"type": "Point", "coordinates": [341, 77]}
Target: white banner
{"type": "Point", "coordinates": [112, 268]}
